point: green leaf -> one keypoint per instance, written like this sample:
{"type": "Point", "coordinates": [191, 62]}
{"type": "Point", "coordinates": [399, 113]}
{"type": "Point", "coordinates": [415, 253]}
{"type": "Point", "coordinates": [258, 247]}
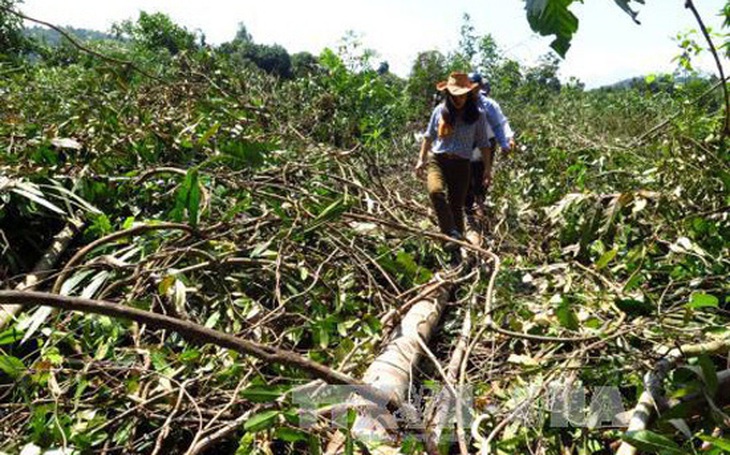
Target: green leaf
{"type": "Point", "coordinates": [709, 373]}
{"type": "Point", "coordinates": [323, 334]}
{"type": "Point", "coordinates": [246, 445]}
{"type": "Point", "coordinates": [720, 443]}
{"type": "Point", "coordinates": [552, 17]}
{"type": "Point", "coordinates": [159, 361]}
{"type": "Point", "coordinates": [188, 198]}
{"type": "Point", "coordinates": [208, 134]}
{"type": "Point", "coordinates": [407, 263]}
{"type": "Point", "coordinates": [189, 356]}
{"type": "Point", "coordinates": [101, 224]}
{"type": "Point", "coordinates": [262, 394]}
{"type": "Point", "coordinates": [194, 197]}
{"type": "Point", "coordinates": [54, 356]}
{"type": "Point", "coordinates": [291, 435]}
{"type": "Point", "coordinates": [10, 336]}
{"type": "Point", "coordinates": [122, 435]}
{"type": "Point", "coordinates": [566, 315]}
{"type": "Point", "coordinates": [651, 442]}
{"type": "Point", "coordinates": [12, 366]}
{"type": "Point", "coordinates": [606, 258]}
{"type": "Point", "coordinates": [331, 212]}
{"type": "Point", "coordinates": [261, 421]}
{"type": "Point", "coordinates": [314, 445]}
{"type": "Point", "coordinates": [244, 154]}
{"type": "Point", "coordinates": [700, 300]}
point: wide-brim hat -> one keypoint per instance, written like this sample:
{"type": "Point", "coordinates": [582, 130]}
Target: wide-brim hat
{"type": "Point", "coordinates": [457, 84]}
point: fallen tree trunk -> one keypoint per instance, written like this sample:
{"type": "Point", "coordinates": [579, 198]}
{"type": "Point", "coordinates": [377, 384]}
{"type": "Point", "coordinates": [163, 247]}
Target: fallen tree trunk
{"type": "Point", "coordinates": [392, 371]}
{"type": "Point", "coordinates": [42, 268]}
{"type": "Point", "coordinates": [653, 396]}
{"type": "Point", "coordinates": [391, 374]}
{"type": "Point", "coordinates": [438, 416]}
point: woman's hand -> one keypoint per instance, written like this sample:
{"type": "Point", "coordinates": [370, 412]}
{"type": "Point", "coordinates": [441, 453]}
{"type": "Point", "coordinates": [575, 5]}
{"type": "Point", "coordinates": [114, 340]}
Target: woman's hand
{"type": "Point", "coordinates": [512, 146]}
{"type": "Point", "coordinates": [420, 168]}
{"type": "Point", "coordinates": [487, 178]}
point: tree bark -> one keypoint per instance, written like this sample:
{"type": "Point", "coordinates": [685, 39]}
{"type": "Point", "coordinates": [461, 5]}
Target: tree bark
{"type": "Point", "coordinates": [653, 396]}
{"type": "Point", "coordinates": [391, 374]}
{"type": "Point", "coordinates": [437, 419]}
{"type": "Point", "coordinates": [42, 268]}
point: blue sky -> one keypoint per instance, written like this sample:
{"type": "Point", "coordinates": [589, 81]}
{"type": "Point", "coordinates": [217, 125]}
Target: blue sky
{"type": "Point", "coordinates": [607, 48]}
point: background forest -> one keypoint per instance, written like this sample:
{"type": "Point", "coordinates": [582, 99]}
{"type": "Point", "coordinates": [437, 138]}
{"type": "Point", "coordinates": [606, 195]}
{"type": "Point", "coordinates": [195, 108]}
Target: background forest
{"type": "Point", "coordinates": [271, 197]}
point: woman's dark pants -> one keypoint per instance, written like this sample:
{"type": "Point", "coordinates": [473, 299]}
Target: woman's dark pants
{"type": "Point", "coordinates": [447, 182]}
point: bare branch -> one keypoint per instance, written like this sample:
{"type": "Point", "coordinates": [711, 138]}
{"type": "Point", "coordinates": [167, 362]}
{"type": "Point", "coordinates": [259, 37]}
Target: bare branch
{"type": "Point", "coordinates": [198, 333]}
{"type": "Point", "coordinates": [81, 47]}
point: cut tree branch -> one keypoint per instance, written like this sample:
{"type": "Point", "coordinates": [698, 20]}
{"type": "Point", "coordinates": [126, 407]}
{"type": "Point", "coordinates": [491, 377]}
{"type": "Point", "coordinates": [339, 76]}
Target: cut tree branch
{"type": "Point", "coordinates": [44, 266]}
{"type": "Point", "coordinates": [136, 230]}
{"type": "Point", "coordinates": [653, 395]}
{"type": "Point", "coordinates": [201, 334]}
{"type": "Point", "coordinates": [690, 4]}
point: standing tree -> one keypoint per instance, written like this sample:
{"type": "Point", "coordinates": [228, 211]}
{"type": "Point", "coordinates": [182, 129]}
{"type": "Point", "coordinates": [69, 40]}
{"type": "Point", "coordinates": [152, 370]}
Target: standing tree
{"type": "Point", "coordinates": [428, 68]}
{"type": "Point", "coordinates": [273, 59]}
{"type": "Point", "coordinates": [157, 32]}
{"type": "Point", "coordinates": [303, 64]}
{"type": "Point", "coordinates": [12, 41]}
{"type": "Point", "coordinates": [467, 41]}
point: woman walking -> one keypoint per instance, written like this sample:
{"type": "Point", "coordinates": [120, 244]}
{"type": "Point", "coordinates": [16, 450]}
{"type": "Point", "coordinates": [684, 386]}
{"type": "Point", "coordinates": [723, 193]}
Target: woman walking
{"type": "Point", "coordinates": [457, 125]}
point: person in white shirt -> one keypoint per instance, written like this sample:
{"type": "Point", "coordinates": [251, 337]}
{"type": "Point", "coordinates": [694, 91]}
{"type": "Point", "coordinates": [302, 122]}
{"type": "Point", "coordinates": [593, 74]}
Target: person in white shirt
{"type": "Point", "coordinates": [501, 133]}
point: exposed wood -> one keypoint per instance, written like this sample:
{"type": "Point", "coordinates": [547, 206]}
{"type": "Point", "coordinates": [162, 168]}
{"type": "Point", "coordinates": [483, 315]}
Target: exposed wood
{"type": "Point", "coordinates": [42, 269]}
{"type": "Point", "coordinates": [392, 370]}
{"type": "Point", "coordinates": [391, 373]}
{"type": "Point", "coordinates": [653, 396]}
{"type": "Point", "coordinates": [437, 416]}
{"type": "Point", "coordinates": [437, 419]}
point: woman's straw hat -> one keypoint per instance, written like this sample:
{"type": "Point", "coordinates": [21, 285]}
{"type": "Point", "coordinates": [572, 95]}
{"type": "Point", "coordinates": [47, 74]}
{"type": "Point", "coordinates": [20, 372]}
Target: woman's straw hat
{"type": "Point", "coordinates": [457, 84]}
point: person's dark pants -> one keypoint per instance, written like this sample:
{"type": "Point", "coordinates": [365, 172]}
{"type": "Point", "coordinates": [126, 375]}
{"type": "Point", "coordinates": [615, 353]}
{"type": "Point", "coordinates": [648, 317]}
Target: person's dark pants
{"type": "Point", "coordinates": [447, 182]}
{"type": "Point", "coordinates": [475, 192]}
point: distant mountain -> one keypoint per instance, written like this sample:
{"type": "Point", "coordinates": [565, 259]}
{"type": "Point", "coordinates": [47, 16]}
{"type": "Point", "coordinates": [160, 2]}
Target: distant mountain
{"type": "Point", "coordinates": [654, 81]}
{"type": "Point", "coordinates": [53, 38]}
{"type": "Point", "coordinates": [626, 83]}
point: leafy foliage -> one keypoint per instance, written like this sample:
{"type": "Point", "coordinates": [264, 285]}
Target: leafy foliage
{"type": "Point", "coordinates": [155, 32]}
{"type": "Point", "coordinates": [273, 59]}
{"type": "Point", "coordinates": [295, 208]}
{"type": "Point", "coordinates": [553, 17]}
